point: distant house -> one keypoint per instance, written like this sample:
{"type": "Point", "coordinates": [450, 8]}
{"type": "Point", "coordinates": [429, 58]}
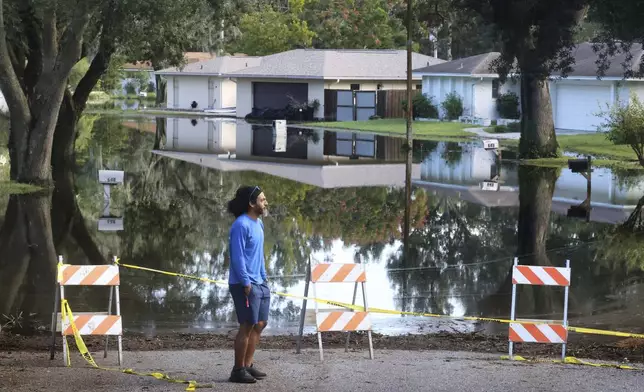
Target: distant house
{"type": "Point", "coordinates": [575, 100]}
{"type": "Point", "coordinates": [129, 69]}
{"type": "Point", "coordinates": [146, 66]}
{"type": "Point", "coordinates": [303, 75]}
{"type": "Point", "coordinates": [205, 84]}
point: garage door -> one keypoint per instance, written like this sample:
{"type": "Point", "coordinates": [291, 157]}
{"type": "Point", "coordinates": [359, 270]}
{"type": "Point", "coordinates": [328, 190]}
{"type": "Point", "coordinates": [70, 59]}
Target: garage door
{"type": "Point", "coordinates": [577, 105]}
{"type": "Point", "coordinates": [276, 95]}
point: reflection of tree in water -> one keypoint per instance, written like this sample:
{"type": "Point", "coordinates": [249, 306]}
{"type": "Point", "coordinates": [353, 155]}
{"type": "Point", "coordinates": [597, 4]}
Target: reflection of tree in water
{"type": "Point", "coordinates": [623, 246]}
{"type": "Point", "coordinates": [28, 263]}
{"type": "Point", "coordinates": [452, 153]}
{"type": "Point", "coordinates": [176, 220]}
{"type": "Point", "coordinates": [454, 233]}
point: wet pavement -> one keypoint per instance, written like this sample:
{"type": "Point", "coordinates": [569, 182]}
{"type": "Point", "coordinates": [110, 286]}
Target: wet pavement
{"type": "Point", "coordinates": [353, 371]}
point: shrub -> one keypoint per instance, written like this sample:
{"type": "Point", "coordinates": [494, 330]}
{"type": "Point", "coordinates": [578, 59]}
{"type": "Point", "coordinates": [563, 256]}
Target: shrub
{"type": "Point", "coordinates": [453, 106]}
{"type": "Point", "coordinates": [508, 106]}
{"type": "Point", "coordinates": [152, 87]}
{"type": "Point", "coordinates": [422, 107]}
{"type": "Point", "coordinates": [130, 88]}
{"type": "Point", "coordinates": [510, 128]}
{"type": "Point", "coordinates": [624, 124]}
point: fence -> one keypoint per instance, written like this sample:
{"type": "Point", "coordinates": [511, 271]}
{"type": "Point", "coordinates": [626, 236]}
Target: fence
{"type": "Point", "coordinates": [390, 103]}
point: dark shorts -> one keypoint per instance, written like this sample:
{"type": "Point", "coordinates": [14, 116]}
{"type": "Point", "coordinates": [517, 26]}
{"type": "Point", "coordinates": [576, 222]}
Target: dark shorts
{"type": "Point", "coordinates": [259, 301]}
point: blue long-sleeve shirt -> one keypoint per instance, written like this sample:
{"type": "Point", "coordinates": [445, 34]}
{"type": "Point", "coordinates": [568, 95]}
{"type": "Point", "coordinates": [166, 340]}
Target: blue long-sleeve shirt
{"type": "Point", "coordinates": [246, 243]}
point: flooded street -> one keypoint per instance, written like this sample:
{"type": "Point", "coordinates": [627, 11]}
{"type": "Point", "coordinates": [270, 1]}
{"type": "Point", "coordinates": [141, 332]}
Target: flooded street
{"type": "Point", "coordinates": [334, 197]}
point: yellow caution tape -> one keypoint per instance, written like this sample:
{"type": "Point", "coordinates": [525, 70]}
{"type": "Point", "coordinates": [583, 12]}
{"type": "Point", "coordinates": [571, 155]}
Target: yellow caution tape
{"type": "Point", "coordinates": [82, 348]}
{"type": "Point", "coordinates": [570, 361]}
{"type": "Point", "coordinates": [395, 312]}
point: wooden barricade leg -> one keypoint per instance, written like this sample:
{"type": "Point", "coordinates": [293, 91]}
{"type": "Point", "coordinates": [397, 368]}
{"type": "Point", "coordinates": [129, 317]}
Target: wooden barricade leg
{"type": "Point", "coordinates": [353, 302]}
{"type": "Point", "coordinates": [303, 312]}
{"type": "Point", "coordinates": [565, 319]}
{"type": "Point", "coordinates": [120, 336]}
{"type": "Point", "coordinates": [62, 326]}
{"type": "Point", "coordinates": [512, 313]}
{"type": "Point", "coordinates": [366, 309]}
{"type": "Point", "coordinates": [109, 312]}
{"type": "Point", "coordinates": [54, 322]}
{"type": "Point", "coordinates": [315, 294]}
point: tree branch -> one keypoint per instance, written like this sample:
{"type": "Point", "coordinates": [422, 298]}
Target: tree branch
{"type": "Point", "coordinates": [50, 33]}
{"type": "Point", "coordinates": [9, 84]}
{"type": "Point", "coordinates": [97, 68]}
{"type": "Point", "coordinates": [71, 42]}
{"type": "Point", "coordinates": [33, 69]}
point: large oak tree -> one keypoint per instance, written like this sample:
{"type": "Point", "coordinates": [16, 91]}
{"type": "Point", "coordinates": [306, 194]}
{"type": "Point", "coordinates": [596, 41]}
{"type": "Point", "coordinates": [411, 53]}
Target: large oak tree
{"type": "Point", "coordinates": [40, 42]}
{"type": "Point", "coordinates": [537, 38]}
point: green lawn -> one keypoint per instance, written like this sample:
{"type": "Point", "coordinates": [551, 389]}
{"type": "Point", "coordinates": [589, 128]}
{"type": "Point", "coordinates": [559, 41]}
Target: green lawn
{"type": "Point", "coordinates": [596, 145]}
{"type": "Point", "coordinates": [603, 151]}
{"type": "Point", "coordinates": [397, 126]}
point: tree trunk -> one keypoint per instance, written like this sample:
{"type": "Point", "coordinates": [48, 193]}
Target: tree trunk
{"type": "Point", "coordinates": [162, 85]}
{"type": "Point", "coordinates": [538, 139]}
{"type": "Point", "coordinates": [65, 134]}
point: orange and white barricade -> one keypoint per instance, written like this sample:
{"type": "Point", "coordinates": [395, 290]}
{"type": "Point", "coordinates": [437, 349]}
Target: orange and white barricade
{"type": "Point", "coordinates": [88, 323]}
{"type": "Point", "coordinates": [539, 332]}
{"type": "Point", "coordinates": [338, 320]}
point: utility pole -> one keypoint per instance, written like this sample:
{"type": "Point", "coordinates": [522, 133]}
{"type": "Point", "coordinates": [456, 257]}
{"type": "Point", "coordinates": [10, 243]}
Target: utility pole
{"type": "Point", "coordinates": [410, 109]}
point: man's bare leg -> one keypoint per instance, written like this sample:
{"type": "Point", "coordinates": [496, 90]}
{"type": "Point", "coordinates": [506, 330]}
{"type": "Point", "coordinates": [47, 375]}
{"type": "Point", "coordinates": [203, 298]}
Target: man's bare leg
{"type": "Point", "coordinates": [242, 344]}
{"type": "Point", "coordinates": [253, 340]}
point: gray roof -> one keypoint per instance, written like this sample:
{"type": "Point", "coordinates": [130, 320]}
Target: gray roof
{"type": "Point", "coordinates": [585, 63]}
{"type": "Point", "coordinates": [336, 64]}
{"type": "Point", "coordinates": [474, 65]}
{"type": "Point", "coordinates": [586, 58]}
{"type": "Point", "coordinates": [217, 66]}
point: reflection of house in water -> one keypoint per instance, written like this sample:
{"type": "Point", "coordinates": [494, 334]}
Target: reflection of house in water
{"type": "Point", "coordinates": [612, 201]}
{"type": "Point", "coordinates": [322, 158]}
{"type": "Point", "coordinates": [208, 136]}
{"type": "Point", "coordinates": [477, 165]}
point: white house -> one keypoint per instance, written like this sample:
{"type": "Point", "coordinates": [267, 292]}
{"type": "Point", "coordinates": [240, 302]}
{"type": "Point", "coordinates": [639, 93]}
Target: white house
{"type": "Point", "coordinates": [576, 99]}
{"type": "Point", "coordinates": [304, 74]}
{"type": "Point", "coordinates": [204, 84]}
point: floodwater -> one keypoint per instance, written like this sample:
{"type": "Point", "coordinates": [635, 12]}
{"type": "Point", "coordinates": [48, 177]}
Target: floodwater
{"type": "Point", "coordinates": [334, 197]}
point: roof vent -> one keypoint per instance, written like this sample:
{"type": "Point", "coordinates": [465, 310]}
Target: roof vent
{"type": "Point", "coordinates": [461, 67]}
{"type": "Point", "coordinates": [202, 67]}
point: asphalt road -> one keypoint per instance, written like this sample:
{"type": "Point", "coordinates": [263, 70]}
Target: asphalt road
{"type": "Point", "coordinates": [391, 370]}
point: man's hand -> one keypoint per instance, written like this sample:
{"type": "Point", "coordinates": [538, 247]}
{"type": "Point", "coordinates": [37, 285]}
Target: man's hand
{"type": "Point", "coordinates": [247, 290]}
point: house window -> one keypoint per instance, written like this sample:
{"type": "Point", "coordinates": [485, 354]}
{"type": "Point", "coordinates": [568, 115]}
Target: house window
{"type": "Point", "coordinates": [419, 87]}
{"type": "Point", "coordinates": [355, 86]}
{"type": "Point", "coordinates": [495, 88]}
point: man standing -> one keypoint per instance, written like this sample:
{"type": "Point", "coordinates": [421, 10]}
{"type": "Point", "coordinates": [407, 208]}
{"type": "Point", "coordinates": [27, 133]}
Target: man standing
{"type": "Point", "coordinates": [247, 279]}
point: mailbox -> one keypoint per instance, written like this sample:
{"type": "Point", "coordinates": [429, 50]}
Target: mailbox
{"type": "Point", "coordinates": [579, 165]}
{"type": "Point", "coordinates": [491, 144]}
{"type": "Point", "coordinates": [111, 177]}
{"type": "Point", "coordinates": [489, 186]}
